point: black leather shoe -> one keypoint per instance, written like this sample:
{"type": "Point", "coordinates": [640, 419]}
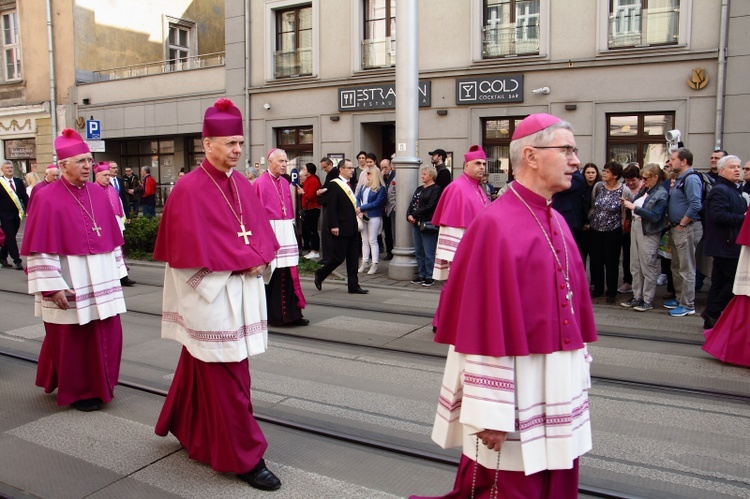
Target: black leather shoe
{"type": "Point", "coordinates": [126, 281]}
{"type": "Point", "coordinates": [19, 266]}
{"type": "Point", "coordinates": [318, 282]}
{"type": "Point", "coordinates": [708, 321]}
{"type": "Point", "coordinates": [358, 291]}
{"type": "Point", "coordinates": [261, 477]}
{"type": "Point", "coordinates": [6, 265]}
{"type": "Point", "coordinates": [389, 256]}
{"type": "Point", "coordinates": [88, 405]}
{"type": "Point", "coordinates": [300, 322]}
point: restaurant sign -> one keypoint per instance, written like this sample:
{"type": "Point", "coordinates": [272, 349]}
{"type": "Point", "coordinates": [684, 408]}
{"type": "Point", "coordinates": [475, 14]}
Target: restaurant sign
{"type": "Point", "coordinates": [378, 97]}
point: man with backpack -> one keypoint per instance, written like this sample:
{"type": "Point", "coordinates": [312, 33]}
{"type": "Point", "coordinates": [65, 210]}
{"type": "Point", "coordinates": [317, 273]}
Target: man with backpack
{"type": "Point", "coordinates": [685, 230]}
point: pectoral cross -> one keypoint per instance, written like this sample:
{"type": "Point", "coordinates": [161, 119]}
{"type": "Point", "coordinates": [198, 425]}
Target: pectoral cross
{"type": "Point", "coordinates": [97, 229]}
{"type": "Point", "coordinates": [244, 233]}
{"type": "Point", "coordinates": [569, 297]}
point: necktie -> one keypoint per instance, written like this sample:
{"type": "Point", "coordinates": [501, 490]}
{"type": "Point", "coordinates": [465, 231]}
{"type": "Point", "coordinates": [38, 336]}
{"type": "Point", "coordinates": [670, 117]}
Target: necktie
{"type": "Point", "coordinates": [12, 184]}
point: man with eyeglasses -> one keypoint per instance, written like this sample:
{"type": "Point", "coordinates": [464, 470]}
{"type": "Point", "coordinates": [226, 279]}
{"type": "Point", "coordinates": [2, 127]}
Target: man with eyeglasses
{"type": "Point", "coordinates": [13, 204]}
{"type": "Point", "coordinates": [515, 391]}
{"type": "Point", "coordinates": [72, 243]}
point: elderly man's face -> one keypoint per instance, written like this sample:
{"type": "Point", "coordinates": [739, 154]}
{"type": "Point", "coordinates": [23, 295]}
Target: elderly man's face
{"type": "Point", "coordinates": [277, 163]}
{"type": "Point", "coordinates": [346, 170]}
{"type": "Point", "coordinates": [52, 174]}
{"type": "Point", "coordinates": [555, 167]}
{"type": "Point", "coordinates": [103, 178]}
{"type": "Point", "coordinates": [77, 169]}
{"type": "Point", "coordinates": [7, 169]}
{"type": "Point", "coordinates": [223, 152]}
{"type": "Point", "coordinates": [475, 168]}
{"type": "Point", "coordinates": [114, 170]}
{"type": "Point", "coordinates": [385, 167]}
{"type": "Point", "coordinates": [732, 171]}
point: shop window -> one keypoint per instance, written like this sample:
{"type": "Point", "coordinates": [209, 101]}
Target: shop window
{"type": "Point", "coordinates": [298, 144]}
{"type": "Point", "coordinates": [159, 155]}
{"type": "Point", "coordinates": [11, 46]}
{"type": "Point", "coordinates": [379, 40]}
{"type": "Point", "coordinates": [496, 135]}
{"type": "Point", "coordinates": [510, 27]}
{"type": "Point", "coordinates": [294, 42]}
{"type": "Point", "coordinates": [638, 137]}
{"type": "Point", "coordinates": [195, 153]}
{"type": "Point", "coordinates": [639, 23]}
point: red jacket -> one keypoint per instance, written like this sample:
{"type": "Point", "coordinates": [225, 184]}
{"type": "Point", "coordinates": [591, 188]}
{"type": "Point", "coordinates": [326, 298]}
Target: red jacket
{"type": "Point", "coordinates": [310, 197]}
{"type": "Point", "coordinates": [149, 186]}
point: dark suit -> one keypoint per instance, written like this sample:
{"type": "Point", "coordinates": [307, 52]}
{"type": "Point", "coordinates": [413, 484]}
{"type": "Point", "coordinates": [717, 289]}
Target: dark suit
{"type": "Point", "coordinates": [10, 221]}
{"type": "Point", "coordinates": [340, 214]}
{"type": "Point", "coordinates": [118, 184]}
{"type": "Point", "coordinates": [725, 213]}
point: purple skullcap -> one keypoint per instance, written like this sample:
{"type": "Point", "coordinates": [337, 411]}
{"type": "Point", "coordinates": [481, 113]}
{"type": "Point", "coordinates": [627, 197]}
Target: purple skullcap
{"type": "Point", "coordinates": [271, 151]}
{"type": "Point", "coordinates": [51, 166]}
{"type": "Point", "coordinates": [69, 144]}
{"type": "Point", "coordinates": [101, 166]}
{"type": "Point", "coordinates": [223, 119]}
{"type": "Point", "coordinates": [475, 152]}
{"type": "Point", "coordinates": [534, 123]}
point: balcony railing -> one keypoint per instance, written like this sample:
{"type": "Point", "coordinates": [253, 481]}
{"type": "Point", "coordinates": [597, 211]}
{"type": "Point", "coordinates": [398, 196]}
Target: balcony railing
{"type": "Point", "coordinates": [155, 68]}
{"type": "Point", "coordinates": [510, 40]}
{"type": "Point", "coordinates": [378, 53]}
{"type": "Point", "coordinates": [293, 63]}
{"type": "Point", "coordinates": [630, 27]}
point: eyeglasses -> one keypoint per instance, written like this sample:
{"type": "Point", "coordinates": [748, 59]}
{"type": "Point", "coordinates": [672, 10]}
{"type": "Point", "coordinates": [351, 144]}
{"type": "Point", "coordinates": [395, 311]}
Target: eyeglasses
{"type": "Point", "coordinates": [81, 162]}
{"type": "Point", "coordinates": [570, 151]}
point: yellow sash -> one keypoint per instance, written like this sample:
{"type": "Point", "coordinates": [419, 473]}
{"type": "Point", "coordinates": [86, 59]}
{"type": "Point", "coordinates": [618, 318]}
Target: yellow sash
{"type": "Point", "coordinates": [347, 190]}
{"type": "Point", "coordinates": [14, 197]}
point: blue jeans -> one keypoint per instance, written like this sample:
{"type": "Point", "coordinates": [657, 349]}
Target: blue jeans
{"type": "Point", "coordinates": [425, 244]}
{"type": "Point", "coordinates": [149, 210]}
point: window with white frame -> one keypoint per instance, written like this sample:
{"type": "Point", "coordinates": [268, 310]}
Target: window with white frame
{"type": "Point", "coordinates": [379, 35]}
{"type": "Point", "coordinates": [294, 42]}
{"type": "Point", "coordinates": [180, 45]}
{"type": "Point", "coordinates": [11, 46]}
{"type": "Point", "coordinates": [638, 23]}
{"type": "Point", "coordinates": [510, 27]}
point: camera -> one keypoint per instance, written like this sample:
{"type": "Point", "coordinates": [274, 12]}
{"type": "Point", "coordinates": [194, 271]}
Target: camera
{"type": "Point", "coordinates": [673, 136]}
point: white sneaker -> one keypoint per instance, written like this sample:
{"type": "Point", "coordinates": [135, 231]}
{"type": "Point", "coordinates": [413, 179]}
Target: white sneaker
{"type": "Point", "coordinates": [362, 268]}
{"type": "Point", "coordinates": [661, 280]}
{"type": "Point", "coordinates": [373, 269]}
{"type": "Point", "coordinates": [312, 255]}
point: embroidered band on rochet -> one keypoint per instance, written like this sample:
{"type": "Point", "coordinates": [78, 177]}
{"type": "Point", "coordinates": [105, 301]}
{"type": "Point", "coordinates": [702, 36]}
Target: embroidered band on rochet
{"type": "Point", "coordinates": [216, 336]}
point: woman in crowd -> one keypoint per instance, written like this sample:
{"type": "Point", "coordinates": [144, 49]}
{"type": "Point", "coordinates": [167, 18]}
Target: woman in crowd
{"type": "Point", "coordinates": [370, 201]}
{"type": "Point", "coordinates": [606, 218]}
{"type": "Point", "coordinates": [648, 208]}
{"type": "Point", "coordinates": [592, 176]}
{"type": "Point", "coordinates": [310, 210]}
{"type": "Point", "coordinates": [729, 340]}
{"type": "Point", "coordinates": [31, 180]}
{"type": "Point", "coordinates": [419, 215]}
{"type": "Point", "coordinates": [632, 179]}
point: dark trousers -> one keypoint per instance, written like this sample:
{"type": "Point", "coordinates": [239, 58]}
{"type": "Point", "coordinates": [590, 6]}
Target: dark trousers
{"type": "Point", "coordinates": [10, 225]}
{"type": "Point", "coordinates": [340, 249]}
{"type": "Point", "coordinates": [722, 281]}
{"type": "Point", "coordinates": [627, 277]}
{"type": "Point", "coordinates": [310, 237]}
{"type": "Point", "coordinates": [605, 255]}
{"type": "Point", "coordinates": [388, 233]}
{"type": "Point", "coordinates": [666, 269]}
{"type": "Point", "coordinates": [583, 241]}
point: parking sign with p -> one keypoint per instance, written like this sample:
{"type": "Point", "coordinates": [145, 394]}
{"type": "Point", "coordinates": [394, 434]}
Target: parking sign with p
{"type": "Point", "coordinates": [93, 130]}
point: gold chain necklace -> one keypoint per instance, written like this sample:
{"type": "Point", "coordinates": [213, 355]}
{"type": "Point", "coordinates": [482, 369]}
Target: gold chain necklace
{"type": "Point", "coordinates": [566, 272]}
{"type": "Point", "coordinates": [95, 228]}
{"type": "Point", "coordinates": [240, 220]}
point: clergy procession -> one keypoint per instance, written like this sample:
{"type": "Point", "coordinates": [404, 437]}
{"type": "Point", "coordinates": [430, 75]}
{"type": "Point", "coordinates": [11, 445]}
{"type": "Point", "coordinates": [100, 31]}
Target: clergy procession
{"type": "Point", "coordinates": [514, 320]}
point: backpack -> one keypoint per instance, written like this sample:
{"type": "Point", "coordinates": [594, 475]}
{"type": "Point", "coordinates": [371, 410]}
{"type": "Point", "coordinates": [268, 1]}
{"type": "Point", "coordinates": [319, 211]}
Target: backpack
{"type": "Point", "coordinates": [707, 183]}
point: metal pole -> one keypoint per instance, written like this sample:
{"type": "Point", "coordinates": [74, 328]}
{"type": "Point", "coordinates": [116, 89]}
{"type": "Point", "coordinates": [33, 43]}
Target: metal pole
{"type": "Point", "coordinates": [403, 266]}
{"type": "Point", "coordinates": [52, 86]}
{"type": "Point", "coordinates": [721, 76]}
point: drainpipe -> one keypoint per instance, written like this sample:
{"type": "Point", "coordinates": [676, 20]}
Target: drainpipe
{"type": "Point", "coordinates": [721, 74]}
{"type": "Point", "coordinates": [247, 85]}
{"type": "Point", "coordinates": [52, 87]}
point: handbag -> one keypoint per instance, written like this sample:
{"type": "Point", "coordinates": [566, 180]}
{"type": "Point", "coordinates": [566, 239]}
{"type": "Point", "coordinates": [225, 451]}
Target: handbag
{"type": "Point", "coordinates": [360, 224]}
{"type": "Point", "coordinates": [426, 226]}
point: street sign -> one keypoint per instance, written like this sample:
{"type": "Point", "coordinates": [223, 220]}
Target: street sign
{"type": "Point", "coordinates": [93, 130]}
{"type": "Point", "coordinates": [295, 177]}
{"type": "Point", "coordinates": [96, 145]}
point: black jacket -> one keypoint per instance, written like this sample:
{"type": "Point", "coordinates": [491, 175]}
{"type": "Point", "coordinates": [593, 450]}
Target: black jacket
{"type": "Point", "coordinates": [424, 202]}
{"type": "Point", "coordinates": [340, 212]}
{"type": "Point", "coordinates": [7, 207]}
{"type": "Point", "coordinates": [570, 202]}
{"type": "Point", "coordinates": [725, 212]}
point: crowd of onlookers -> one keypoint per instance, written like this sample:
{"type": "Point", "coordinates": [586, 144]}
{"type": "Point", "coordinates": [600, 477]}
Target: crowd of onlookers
{"type": "Point", "coordinates": [668, 226]}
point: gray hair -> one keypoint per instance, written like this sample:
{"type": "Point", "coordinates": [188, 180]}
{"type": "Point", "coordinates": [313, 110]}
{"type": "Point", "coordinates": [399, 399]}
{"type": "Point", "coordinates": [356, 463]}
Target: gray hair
{"type": "Point", "coordinates": [722, 163]}
{"type": "Point", "coordinates": [431, 171]}
{"type": "Point", "coordinates": [540, 138]}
